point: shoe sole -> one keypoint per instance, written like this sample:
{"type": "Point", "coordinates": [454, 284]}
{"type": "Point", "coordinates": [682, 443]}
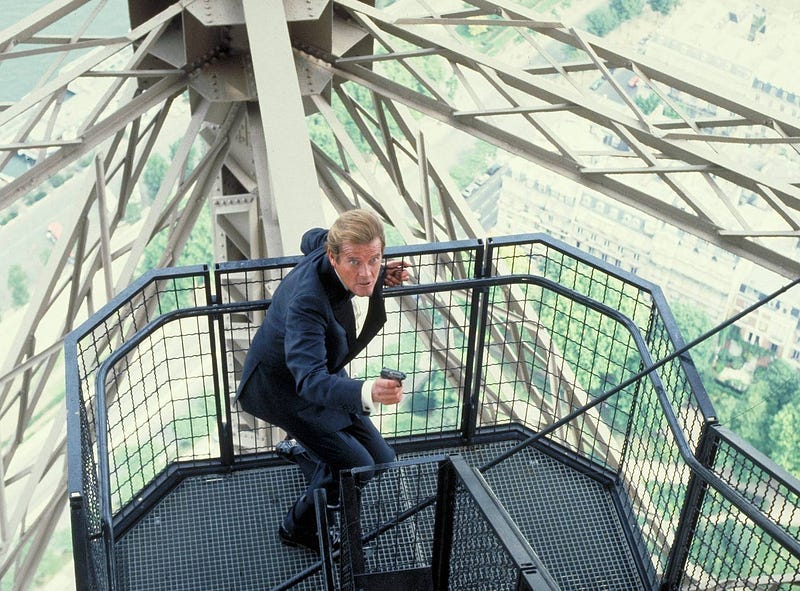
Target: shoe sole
{"type": "Point", "coordinates": [294, 544]}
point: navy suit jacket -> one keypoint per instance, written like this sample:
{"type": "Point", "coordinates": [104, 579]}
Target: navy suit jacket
{"type": "Point", "coordinates": [294, 369]}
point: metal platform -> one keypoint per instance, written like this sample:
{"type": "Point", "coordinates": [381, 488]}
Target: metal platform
{"type": "Point", "coordinates": [220, 531]}
{"type": "Point", "coordinates": [626, 482]}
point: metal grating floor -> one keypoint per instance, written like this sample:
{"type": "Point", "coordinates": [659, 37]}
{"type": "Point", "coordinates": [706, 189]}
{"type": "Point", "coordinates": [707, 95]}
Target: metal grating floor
{"type": "Point", "coordinates": [219, 532]}
{"type": "Point", "coordinates": [570, 521]}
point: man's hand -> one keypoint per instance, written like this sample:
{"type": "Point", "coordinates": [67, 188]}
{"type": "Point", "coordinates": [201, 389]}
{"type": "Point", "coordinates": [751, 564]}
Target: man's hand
{"type": "Point", "coordinates": [396, 273]}
{"type": "Point", "coordinates": [387, 391]}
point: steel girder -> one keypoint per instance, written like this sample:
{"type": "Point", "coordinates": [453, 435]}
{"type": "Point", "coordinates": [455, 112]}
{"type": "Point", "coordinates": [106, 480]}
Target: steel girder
{"type": "Point", "coordinates": [723, 178]}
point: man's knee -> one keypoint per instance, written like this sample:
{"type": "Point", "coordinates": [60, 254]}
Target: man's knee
{"type": "Point", "coordinates": [380, 459]}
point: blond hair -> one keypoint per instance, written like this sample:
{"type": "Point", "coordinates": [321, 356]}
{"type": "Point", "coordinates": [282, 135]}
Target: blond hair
{"type": "Point", "coordinates": [357, 226]}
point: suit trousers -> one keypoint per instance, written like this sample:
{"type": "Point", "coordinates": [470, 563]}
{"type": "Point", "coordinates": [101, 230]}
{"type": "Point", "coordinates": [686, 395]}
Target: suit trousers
{"type": "Point", "coordinates": [357, 445]}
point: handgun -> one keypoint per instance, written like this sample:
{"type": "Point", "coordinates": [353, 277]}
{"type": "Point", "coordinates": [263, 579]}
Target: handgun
{"type": "Point", "coordinates": [393, 374]}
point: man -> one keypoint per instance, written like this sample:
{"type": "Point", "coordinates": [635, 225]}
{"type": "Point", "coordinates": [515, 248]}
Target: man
{"type": "Point", "coordinates": [294, 376]}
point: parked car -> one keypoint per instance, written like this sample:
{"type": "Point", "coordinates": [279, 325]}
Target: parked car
{"type": "Point", "coordinates": [469, 190]}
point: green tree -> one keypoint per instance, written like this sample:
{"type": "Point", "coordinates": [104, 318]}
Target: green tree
{"type": "Point", "coordinates": [133, 211]}
{"type": "Point", "coordinates": [199, 247]}
{"type": "Point", "coordinates": [602, 21]}
{"type": "Point", "coordinates": [18, 286]}
{"type": "Point", "coordinates": [663, 6]}
{"type": "Point", "coordinates": [774, 389]}
{"type": "Point", "coordinates": [752, 419]}
{"type": "Point", "coordinates": [473, 163]}
{"type": "Point", "coordinates": [197, 250]}
{"type": "Point", "coordinates": [627, 9]}
{"type": "Point", "coordinates": [151, 258]}
{"type": "Point", "coordinates": [33, 197]}
{"type": "Point", "coordinates": [8, 216]}
{"type": "Point", "coordinates": [649, 103]}
{"type": "Point", "coordinates": [786, 438]}
{"type": "Point", "coordinates": [57, 180]}
{"type": "Point", "coordinates": [693, 322]}
{"type": "Point", "coordinates": [191, 160]}
{"type": "Point", "coordinates": [782, 382]}
{"type": "Point", "coordinates": [153, 174]}
{"type": "Point", "coordinates": [320, 134]}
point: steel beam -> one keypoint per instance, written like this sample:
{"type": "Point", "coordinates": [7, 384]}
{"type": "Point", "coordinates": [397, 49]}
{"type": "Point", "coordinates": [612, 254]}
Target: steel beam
{"type": "Point", "coordinates": [292, 182]}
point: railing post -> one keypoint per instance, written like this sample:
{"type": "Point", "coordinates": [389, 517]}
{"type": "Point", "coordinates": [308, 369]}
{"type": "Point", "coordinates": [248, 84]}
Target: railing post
{"type": "Point", "coordinates": [221, 401]}
{"type": "Point", "coordinates": [693, 502]}
{"type": "Point", "coordinates": [443, 524]}
{"type": "Point", "coordinates": [475, 346]}
{"type": "Point", "coordinates": [474, 363]}
{"type": "Point", "coordinates": [221, 366]}
{"type": "Point", "coordinates": [84, 572]}
{"type": "Point", "coordinates": [352, 555]}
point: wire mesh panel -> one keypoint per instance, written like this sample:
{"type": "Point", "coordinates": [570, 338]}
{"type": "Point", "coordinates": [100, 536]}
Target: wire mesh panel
{"type": "Point", "coordinates": [478, 560]}
{"type": "Point", "coordinates": [488, 550]}
{"type": "Point", "coordinates": [218, 532]}
{"type": "Point", "coordinates": [550, 351]}
{"type": "Point", "coordinates": [656, 476]}
{"type": "Point", "coordinates": [432, 523]}
{"type": "Point", "coordinates": [387, 526]}
{"type": "Point", "coordinates": [434, 356]}
{"type": "Point", "coordinates": [426, 336]}
{"type": "Point", "coordinates": [569, 518]}
{"type": "Point", "coordinates": [162, 407]}
{"type": "Point", "coordinates": [541, 255]}
{"type": "Point", "coordinates": [252, 282]}
{"type": "Point", "coordinates": [574, 354]}
{"type": "Point", "coordinates": [546, 355]}
{"type": "Point", "coordinates": [86, 349]}
{"type": "Point", "coordinates": [731, 551]}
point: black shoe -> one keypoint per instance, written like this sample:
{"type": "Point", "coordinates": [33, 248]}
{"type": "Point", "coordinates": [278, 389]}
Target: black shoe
{"type": "Point", "coordinates": [299, 540]}
{"type": "Point", "coordinates": [306, 540]}
{"type": "Point", "coordinates": [288, 449]}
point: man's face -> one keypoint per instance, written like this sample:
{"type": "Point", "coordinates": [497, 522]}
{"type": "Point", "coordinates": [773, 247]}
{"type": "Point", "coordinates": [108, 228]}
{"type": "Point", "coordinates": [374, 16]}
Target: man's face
{"type": "Point", "coordinates": [358, 266]}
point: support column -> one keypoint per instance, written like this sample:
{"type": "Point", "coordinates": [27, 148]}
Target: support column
{"type": "Point", "coordinates": [292, 177]}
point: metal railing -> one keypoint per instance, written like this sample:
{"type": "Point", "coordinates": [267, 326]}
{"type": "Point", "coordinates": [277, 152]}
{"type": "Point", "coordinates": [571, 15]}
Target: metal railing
{"type": "Point", "coordinates": [431, 537]}
{"type": "Point", "coordinates": [520, 334]}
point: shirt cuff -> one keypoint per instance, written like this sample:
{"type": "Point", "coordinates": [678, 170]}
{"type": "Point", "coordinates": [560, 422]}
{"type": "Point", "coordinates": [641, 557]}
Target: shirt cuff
{"type": "Point", "coordinates": [366, 397]}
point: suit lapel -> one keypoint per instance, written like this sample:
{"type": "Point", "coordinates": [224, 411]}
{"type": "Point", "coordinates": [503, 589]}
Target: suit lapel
{"type": "Point", "coordinates": [343, 312]}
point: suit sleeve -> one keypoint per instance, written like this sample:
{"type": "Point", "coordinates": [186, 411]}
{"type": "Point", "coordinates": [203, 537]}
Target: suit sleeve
{"type": "Point", "coordinates": [313, 239]}
{"type": "Point", "coordinates": [307, 357]}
